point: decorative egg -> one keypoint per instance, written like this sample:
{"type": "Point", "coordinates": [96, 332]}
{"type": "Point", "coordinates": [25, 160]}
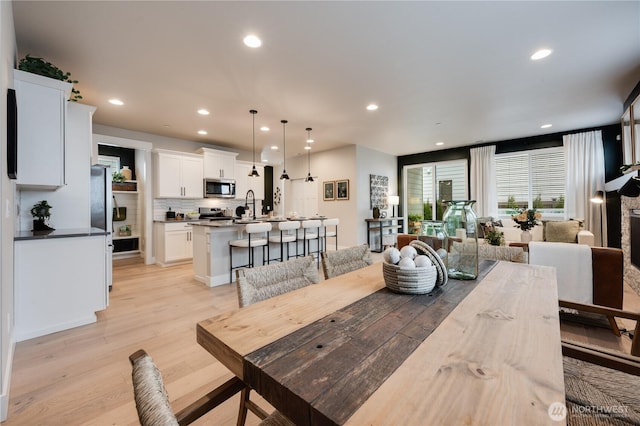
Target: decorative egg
{"type": "Point", "coordinates": [422, 260]}
{"type": "Point", "coordinates": [442, 253]}
{"type": "Point", "coordinates": [409, 252]}
{"type": "Point", "coordinates": [406, 263]}
{"type": "Point", "coordinates": [391, 255]}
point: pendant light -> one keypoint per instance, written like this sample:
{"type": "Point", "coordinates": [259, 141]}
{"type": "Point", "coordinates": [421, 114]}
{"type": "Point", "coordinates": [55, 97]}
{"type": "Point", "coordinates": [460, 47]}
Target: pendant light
{"type": "Point", "coordinates": [254, 171]}
{"type": "Point", "coordinates": [309, 178]}
{"type": "Point", "coordinates": [284, 175]}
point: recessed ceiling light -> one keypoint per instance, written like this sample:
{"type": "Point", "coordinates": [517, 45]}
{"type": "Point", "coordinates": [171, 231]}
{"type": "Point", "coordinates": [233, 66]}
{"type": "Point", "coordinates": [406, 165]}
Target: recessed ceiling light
{"type": "Point", "coordinates": [546, 126]}
{"type": "Point", "coordinates": [116, 102]}
{"type": "Point", "coordinates": [252, 41]}
{"type": "Point", "coordinates": [202, 132]}
{"type": "Point", "coordinates": [439, 143]}
{"type": "Point", "coordinates": [540, 54]}
{"type": "Point", "coordinates": [264, 128]}
{"type": "Point", "coordinates": [203, 111]}
{"type": "Point", "coordinates": [307, 147]}
{"type": "Point", "coordinates": [372, 107]}
{"type": "Point", "coordinates": [274, 147]}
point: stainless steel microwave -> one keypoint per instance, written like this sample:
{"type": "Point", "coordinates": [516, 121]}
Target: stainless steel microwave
{"type": "Point", "coordinates": [219, 188]}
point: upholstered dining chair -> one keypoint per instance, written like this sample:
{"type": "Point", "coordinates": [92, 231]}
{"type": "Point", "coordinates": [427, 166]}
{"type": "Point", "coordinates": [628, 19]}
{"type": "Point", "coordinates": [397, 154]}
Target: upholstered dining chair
{"type": "Point", "coordinates": [263, 282]}
{"type": "Point", "coordinates": [154, 408]}
{"type": "Point", "coordinates": [345, 260]}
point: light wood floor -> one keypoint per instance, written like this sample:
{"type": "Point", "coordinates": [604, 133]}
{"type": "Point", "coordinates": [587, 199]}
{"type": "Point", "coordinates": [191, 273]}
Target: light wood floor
{"type": "Point", "coordinates": [83, 377]}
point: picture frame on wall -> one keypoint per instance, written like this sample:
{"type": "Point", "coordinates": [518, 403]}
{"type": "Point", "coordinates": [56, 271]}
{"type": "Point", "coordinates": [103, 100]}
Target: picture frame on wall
{"type": "Point", "coordinates": [342, 189]}
{"type": "Point", "coordinates": [329, 190]}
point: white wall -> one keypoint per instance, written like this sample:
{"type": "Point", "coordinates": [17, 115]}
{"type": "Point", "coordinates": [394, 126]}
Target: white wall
{"type": "Point", "coordinates": [354, 163]}
{"type": "Point", "coordinates": [8, 53]}
{"type": "Point", "coordinates": [370, 162]}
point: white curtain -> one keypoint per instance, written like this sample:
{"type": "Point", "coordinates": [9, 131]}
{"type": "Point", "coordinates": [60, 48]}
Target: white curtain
{"type": "Point", "coordinates": [584, 158]}
{"type": "Point", "coordinates": [483, 181]}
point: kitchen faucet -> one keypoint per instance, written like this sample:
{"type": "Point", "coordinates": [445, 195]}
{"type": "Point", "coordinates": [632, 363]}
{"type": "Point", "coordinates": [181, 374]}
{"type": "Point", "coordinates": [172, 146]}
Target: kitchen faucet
{"type": "Point", "coordinates": [253, 200]}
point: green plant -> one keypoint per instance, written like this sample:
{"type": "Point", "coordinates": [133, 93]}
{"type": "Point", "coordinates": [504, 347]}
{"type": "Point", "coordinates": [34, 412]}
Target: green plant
{"type": "Point", "coordinates": [41, 210]}
{"type": "Point", "coordinates": [559, 204]}
{"type": "Point", "coordinates": [427, 210]}
{"type": "Point", "coordinates": [493, 236]}
{"type": "Point", "coordinates": [511, 202]}
{"type": "Point", "coordinates": [47, 69]}
{"type": "Point", "coordinates": [414, 218]}
{"type": "Point", "coordinates": [118, 177]}
{"type": "Point", "coordinates": [537, 202]}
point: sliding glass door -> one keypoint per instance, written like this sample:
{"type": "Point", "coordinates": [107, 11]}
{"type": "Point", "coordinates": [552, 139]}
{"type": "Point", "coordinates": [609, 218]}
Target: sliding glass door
{"type": "Point", "coordinates": [427, 186]}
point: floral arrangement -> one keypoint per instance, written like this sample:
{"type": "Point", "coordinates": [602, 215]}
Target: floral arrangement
{"type": "Point", "coordinates": [527, 219]}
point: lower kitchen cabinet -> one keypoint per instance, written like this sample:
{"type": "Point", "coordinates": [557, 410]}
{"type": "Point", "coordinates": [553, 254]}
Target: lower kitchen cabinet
{"type": "Point", "coordinates": [174, 242]}
{"type": "Point", "coordinates": [60, 284]}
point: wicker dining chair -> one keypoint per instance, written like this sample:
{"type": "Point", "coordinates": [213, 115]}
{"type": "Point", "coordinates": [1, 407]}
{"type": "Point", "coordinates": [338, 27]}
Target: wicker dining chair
{"type": "Point", "coordinates": [264, 282]}
{"type": "Point", "coordinates": [154, 409]}
{"type": "Point", "coordinates": [345, 260]}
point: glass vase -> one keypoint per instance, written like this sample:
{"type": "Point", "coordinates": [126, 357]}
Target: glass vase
{"type": "Point", "coordinates": [434, 233]}
{"type": "Point", "coordinates": [462, 248]}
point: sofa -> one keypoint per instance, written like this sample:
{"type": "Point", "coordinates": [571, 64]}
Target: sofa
{"type": "Point", "coordinates": [560, 231]}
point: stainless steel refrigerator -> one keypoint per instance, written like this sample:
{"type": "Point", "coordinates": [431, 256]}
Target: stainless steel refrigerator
{"type": "Point", "coordinates": [102, 212]}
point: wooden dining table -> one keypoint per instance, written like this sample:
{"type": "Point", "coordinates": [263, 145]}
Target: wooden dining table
{"type": "Point", "coordinates": [349, 351]}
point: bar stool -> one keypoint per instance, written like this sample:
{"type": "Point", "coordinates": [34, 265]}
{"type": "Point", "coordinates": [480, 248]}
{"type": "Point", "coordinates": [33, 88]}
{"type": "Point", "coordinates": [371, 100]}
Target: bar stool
{"type": "Point", "coordinates": [285, 237]}
{"type": "Point", "coordinates": [250, 243]}
{"type": "Point", "coordinates": [308, 234]}
{"type": "Point", "coordinates": [325, 233]}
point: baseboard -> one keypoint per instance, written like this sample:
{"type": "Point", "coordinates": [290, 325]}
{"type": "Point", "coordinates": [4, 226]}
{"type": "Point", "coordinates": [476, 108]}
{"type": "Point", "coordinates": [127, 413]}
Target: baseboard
{"type": "Point", "coordinates": [6, 386]}
{"type": "Point", "coordinates": [22, 335]}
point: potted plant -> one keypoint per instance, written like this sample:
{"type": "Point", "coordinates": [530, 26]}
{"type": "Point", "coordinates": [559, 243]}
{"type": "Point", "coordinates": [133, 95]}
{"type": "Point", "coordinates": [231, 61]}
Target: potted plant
{"type": "Point", "coordinates": [40, 211]}
{"type": "Point", "coordinates": [415, 222]}
{"type": "Point", "coordinates": [47, 69]}
{"type": "Point", "coordinates": [493, 236]}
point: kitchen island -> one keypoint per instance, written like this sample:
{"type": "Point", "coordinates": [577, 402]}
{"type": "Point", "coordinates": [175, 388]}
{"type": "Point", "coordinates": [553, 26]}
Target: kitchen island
{"type": "Point", "coordinates": [211, 251]}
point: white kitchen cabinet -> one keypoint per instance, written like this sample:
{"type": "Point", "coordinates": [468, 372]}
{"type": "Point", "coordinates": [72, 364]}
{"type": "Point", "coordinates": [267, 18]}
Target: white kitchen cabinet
{"type": "Point", "coordinates": [218, 164]}
{"type": "Point", "coordinates": [244, 182]}
{"type": "Point", "coordinates": [42, 106]}
{"type": "Point", "coordinates": [48, 297]}
{"type": "Point", "coordinates": [174, 242]}
{"type": "Point", "coordinates": [178, 175]}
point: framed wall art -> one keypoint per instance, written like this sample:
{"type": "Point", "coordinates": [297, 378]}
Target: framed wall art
{"type": "Point", "coordinates": [329, 190]}
{"type": "Point", "coordinates": [342, 189]}
{"type": "Point", "coordinates": [378, 191]}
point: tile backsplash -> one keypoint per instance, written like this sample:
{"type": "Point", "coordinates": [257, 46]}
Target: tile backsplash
{"type": "Point", "coordinates": [180, 205]}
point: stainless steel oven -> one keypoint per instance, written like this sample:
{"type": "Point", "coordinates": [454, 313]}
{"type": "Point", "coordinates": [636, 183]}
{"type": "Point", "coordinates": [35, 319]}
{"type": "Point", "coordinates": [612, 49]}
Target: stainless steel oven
{"type": "Point", "coordinates": [219, 188]}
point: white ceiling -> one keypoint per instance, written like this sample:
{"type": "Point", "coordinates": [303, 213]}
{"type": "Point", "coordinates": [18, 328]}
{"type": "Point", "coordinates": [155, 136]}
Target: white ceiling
{"type": "Point", "coordinates": [456, 72]}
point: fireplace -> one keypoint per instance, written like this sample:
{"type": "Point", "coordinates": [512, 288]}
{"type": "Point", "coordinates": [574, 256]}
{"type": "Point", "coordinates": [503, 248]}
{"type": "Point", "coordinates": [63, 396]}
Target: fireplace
{"type": "Point", "coordinates": [634, 243]}
{"type": "Point", "coordinates": [630, 230]}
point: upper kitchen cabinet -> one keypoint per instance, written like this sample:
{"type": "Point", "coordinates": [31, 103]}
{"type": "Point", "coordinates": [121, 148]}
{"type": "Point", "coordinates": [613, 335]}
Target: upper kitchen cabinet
{"type": "Point", "coordinates": [42, 108]}
{"type": "Point", "coordinates": [244, 182]}
{"type": "Point", "coordinates": [178, 175]}
{"type": "Point", "coordinates": [218, 164]}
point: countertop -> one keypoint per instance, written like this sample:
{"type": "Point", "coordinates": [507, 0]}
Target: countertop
{"type": "Point", "coordinates": [206, 219]}
{"type": "Point", "coordinates": [59, 233]}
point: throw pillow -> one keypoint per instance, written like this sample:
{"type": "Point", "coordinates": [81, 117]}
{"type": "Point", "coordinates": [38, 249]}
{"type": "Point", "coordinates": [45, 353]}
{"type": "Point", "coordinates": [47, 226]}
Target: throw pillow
{"type": "Point", "coordinates": [561, 231]}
